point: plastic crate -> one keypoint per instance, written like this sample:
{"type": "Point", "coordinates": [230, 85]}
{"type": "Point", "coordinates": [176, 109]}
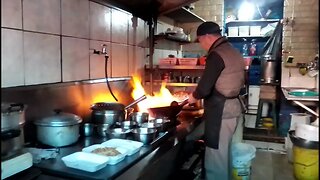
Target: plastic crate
{"type": "Point", "coordinates": [188, 61]}
{"type": "Point", "coordinates": [168, 61]}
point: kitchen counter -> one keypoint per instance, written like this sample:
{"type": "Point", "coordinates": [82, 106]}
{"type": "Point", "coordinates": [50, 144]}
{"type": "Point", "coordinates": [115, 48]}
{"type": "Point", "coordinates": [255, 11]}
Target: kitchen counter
{"type": "Point", "coordinates": [132, 167]}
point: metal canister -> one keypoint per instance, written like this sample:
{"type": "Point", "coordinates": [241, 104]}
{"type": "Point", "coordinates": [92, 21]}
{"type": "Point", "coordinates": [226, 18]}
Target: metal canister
{"type": "Point", "coordinates": [268, 65]}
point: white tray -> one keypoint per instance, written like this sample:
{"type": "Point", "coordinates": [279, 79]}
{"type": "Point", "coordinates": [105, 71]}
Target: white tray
{"type": "Point", "coordinates": [112, 159]}
{"type": "Point", "coordinates": [132, 146]}
{"type": "Point", "coordinates": [85, 161]}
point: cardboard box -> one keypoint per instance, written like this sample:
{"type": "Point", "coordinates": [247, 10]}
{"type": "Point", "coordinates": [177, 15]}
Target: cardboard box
{"type": "Point", "coordinates": [268, 95]}
{"type": "Point", "coordinates": [267, 88]}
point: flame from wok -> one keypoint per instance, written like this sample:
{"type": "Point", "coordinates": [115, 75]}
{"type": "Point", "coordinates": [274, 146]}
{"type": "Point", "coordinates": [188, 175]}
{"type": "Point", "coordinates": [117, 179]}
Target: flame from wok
{"type": "Point", "coordinates": [159, 99]}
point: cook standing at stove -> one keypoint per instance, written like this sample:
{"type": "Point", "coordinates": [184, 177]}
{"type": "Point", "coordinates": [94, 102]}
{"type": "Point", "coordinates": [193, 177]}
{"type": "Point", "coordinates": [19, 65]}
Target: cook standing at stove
{"type": "Point", "coordinates": [219, 86]}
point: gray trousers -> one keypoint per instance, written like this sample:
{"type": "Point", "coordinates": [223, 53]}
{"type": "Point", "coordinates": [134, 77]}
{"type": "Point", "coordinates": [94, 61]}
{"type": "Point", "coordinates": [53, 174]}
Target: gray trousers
{"type": "Point", "coordinates": [217, 161]}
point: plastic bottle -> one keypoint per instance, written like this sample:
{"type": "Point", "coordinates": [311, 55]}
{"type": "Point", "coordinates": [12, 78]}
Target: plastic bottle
{"type": "Point", "coordinates": [253, 48]}
{"type": "Point", "coordinates": [245, 49]}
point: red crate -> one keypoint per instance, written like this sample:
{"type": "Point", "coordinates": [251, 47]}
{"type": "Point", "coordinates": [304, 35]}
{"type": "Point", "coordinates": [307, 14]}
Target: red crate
{"type": "Point", "coordinates": [168, 61]}
{"type": "Point", "coordinates": [188, 61]}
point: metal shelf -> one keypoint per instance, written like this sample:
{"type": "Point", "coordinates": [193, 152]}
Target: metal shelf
{"type": "Point", "coordinates": [184, 15]}
{"type": "Point", "coordinates": [179, 67]}
{"type": "Point", "coordinates": [252, 21]}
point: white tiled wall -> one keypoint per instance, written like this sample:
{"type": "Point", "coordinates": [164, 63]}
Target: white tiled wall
{"type": "Point", "coordinates": [75, 55]}
{"type": "Point", "coordinates": [41, 58]}
{"type": "Point", "coordinates": [119, 63]}
{"type": "Point", "coordinates": [100, 22]}
{"type": "Point", "coordinates": [51, 41]}
{"type": "Point", "coordinates": [75, 18]}
{"type": "Point", "coordinates": [119, 26]}
{"type": "Point", "coordinates": [42, 16]}
{"type": "Point", "coordinates": [11, 13]}
{"type": "Point", "coordinates": [12, 71]}
{"type": "Point", "coordinates": [97, 62]}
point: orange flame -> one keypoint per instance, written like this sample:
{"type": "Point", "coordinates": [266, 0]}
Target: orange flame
{"type": "Point", "coordinates": [161, 98]}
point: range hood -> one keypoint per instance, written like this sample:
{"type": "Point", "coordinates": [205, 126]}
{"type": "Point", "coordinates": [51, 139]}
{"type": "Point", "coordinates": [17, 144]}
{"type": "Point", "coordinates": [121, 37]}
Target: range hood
{"type": "Point", "coordinates": [147, 9]}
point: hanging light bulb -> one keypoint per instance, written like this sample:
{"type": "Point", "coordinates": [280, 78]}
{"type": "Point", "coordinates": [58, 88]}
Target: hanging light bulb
{"type": "Point", "coordinates": [246, 11]}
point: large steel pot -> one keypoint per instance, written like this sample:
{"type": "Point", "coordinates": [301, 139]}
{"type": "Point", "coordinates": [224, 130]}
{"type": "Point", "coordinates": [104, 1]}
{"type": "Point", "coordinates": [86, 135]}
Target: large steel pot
{"type": "Point", "coordinates": [12, 141]}
{"type": "Point", "coordinates": [61, 129]}
{"type": "Point", "coordinates": [111, 113]}
{"type": "Point", "coordinates": [107, 113]}
{"type": "Point", "coordinates": [12, 116]}
{"type": "Point", "coordinates": [12, 121]}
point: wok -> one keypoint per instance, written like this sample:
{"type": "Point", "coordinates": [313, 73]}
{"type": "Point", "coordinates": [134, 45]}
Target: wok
{"type": "Point", "coordinates": [170, 112]}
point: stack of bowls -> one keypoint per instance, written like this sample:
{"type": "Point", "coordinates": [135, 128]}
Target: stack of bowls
{"type": "Point", "coordinates": [119, 133]}
{"type": "Point", "coordinates": [144, 135]}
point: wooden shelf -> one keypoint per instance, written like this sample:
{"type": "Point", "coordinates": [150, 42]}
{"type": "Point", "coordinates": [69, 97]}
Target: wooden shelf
{"type": "Point", "coordinates": [178, 67]}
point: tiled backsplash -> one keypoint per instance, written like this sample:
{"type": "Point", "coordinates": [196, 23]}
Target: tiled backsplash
{"type": "Point", "coordinates": [50, 41]}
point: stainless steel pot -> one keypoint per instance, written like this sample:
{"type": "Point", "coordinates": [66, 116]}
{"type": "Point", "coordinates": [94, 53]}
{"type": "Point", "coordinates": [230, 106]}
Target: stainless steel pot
{"type": "Point", "coordinates": [111, 113]}
{"type": "Point", "coordinates": [61, 129]}
{"type": "Point", "coordinates": [12, 141]}
{"type": "Point", "coordinates": [12, 116]}
{"type": "Point", "coordinates": [107, 113]}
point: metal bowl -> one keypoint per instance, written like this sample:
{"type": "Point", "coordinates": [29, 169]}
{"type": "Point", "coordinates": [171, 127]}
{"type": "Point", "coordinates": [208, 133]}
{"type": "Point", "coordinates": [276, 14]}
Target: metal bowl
{"type": "Point", "coordinates": [151, 125]}
{"type": "Point", "coordinates": [119, 133]}
{"type": "Point", "coordinates": [144, 135]}
{"type": "Point", "coordinates": [101, 128]}
{"type": "Point", "coordinates": [128, 124]}
{"type": "Point", "coordinates": [139, 117]}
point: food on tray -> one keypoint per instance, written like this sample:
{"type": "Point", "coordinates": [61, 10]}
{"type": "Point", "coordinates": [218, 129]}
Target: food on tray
{"type": "Point", "coordinates": [106, 151]}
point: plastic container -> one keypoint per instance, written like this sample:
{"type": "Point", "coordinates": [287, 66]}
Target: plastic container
{"type": "Point", "coordinates": [255, 30]}
{"type": "Point", "coordinates": [305, 157]}
{"type": "Point", "coordinates": [112, 159]}
{"type": "Point", "coordinates": [233, 31]}
{"type": "Point", "coordinates": [242, 154]}
{"type": "Point", "coordinates": [243, 30]}
{"type": "Point", "coordinates": [297, 118]}
{"type": "Point", "coordinates": [306, 163]}
{"type": "Point", "coordinates": [85, 161]}
{"type": "Point", "coordinates": [307, 132]}
{"type": "Point", "coordinates": [132, 146]}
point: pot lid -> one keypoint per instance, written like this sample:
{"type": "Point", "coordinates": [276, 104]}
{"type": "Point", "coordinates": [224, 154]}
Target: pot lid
{"type": "Point", "coordinates": [59, 119]}
{"type": "Point", "coordinates": [101, 106]}
{"type": "Point", "coordinates": [11, 107]}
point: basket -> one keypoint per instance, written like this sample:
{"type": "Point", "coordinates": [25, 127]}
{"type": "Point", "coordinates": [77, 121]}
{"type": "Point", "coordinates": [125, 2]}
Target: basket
{"type": "Point", "coordinates": [188, 61]}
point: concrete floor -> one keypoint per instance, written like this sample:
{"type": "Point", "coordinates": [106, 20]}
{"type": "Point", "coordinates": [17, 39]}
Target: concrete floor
{"type": "Point", "coordinates": [271, 166]}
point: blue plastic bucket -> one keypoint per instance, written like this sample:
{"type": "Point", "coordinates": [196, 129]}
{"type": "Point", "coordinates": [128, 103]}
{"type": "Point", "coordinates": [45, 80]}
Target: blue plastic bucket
{"type": "Point", "coordinates": [242, 154]}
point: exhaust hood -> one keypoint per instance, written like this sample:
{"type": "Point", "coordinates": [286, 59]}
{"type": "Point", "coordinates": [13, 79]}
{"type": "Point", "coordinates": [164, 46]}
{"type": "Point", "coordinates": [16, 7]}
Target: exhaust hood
{"type": "Point", "coordinates": [147, 9]}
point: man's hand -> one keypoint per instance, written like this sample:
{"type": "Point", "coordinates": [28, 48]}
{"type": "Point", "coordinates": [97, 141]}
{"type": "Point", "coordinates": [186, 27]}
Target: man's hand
{"type": "Point", "coordinates": [191, 99]}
